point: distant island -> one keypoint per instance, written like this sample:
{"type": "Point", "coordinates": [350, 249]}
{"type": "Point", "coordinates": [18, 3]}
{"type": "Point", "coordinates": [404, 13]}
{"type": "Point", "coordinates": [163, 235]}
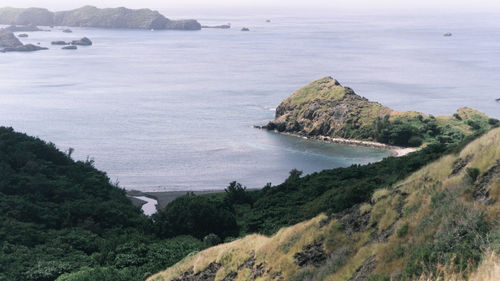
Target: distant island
{"type": "Point", "coordinates": [90, 16]}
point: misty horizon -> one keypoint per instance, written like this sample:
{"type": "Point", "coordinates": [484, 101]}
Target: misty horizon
{"type": "Point", "coordinates": [260, 7]}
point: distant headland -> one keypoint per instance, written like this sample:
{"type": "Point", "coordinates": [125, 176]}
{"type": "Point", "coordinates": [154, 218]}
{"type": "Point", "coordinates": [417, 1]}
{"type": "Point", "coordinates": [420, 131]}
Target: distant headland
{"type": "Point", "coordinates": [90, 16]}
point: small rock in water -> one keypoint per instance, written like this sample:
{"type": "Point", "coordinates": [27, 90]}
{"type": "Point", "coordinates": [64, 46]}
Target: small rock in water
{"type": "Point", "coordinates": [71, 47]}
{"type": "Point", "coordinates": [22, 35]}
{"type": "Point", "coordinates": [82, 42]}
{"type": "Point", "coordinates": [268, 20]}
{"type": "Point", "coordinates": [448, 34]}
{"type": "Point", "coordinates": [497, 100]}
{"type": "Point", "coordinates": [67, 30]}
{"type": "Point", "coordinates": [245, 29]}
{"type": "Point", "coordinates": [59, 43]}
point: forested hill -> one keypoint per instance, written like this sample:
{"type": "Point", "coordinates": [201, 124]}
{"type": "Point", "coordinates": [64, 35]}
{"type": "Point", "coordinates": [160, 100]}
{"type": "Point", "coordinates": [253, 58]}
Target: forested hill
{"type": "Point", "coordinates": [58, 216]}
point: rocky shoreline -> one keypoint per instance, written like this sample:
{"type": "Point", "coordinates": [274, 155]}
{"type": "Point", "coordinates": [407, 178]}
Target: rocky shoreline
{"type": "Point", "coordinates": [396, 151]}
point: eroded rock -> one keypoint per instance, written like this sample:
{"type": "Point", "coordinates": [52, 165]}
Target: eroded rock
{"type": "Point", "coordinates": [312, 254]}
{"type": "Point", "coordinates": [208, 274]}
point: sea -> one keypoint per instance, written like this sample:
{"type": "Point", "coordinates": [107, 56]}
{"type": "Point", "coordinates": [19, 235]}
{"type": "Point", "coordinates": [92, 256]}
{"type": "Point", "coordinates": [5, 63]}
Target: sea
{"type": "Point", "coordinates": [174, 110]}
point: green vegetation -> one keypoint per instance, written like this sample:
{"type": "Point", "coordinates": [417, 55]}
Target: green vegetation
{"type": "Point", "coordinates": [473, 173]}
{"type": "Point", "coordinates": [325, 108]}
{"type": "Point", "coordinates": [197, 216]}
{"type": "Point", "coordinates": [60, 216]}
{"type": "Point", "coordinates": [423, 227]}
{"type": "Point", "coordinates": [61, 219]}
{"type": "Point", "coordinates": [298, 198]}
{"type": "Point", "coordinates": [322, 89]}
{"type": "Point", "coordinates": [411, 129]}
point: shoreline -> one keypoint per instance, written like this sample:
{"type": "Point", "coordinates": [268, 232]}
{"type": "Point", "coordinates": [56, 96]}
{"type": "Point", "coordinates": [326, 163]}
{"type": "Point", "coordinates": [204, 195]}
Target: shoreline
{"type": "Point", "coordinates": [163, 198]}
{"type": "Point", "coordinates": [396, 151]}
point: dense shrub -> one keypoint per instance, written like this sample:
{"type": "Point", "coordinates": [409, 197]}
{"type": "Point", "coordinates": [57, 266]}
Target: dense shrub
{"type": "Point", "coordinates": [197, 216]}
{"type": "Point", "coordinates": [60, 216]}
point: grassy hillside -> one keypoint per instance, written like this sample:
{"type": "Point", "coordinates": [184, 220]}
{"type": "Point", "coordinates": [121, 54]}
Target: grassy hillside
{"type": "Point", "coordinates": [441, 219]}
{"type": "Point", "coordinates": [326, 108]}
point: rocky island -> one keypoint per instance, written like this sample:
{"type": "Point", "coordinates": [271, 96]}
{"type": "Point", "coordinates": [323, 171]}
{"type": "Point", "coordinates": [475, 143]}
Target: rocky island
{"type": "Point", "coordinates": [326, 110]}
{"type": "Point", "coordinates": [10, 43]}
{"type": "Point", "coordinates": [90, 16]}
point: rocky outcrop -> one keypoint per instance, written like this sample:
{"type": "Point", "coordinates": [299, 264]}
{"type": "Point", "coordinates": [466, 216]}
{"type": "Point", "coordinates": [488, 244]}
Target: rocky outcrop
{"type": "Point", "coordinates": [324, 107]}
{"type": "Point", "coordinates": [24, 48]}
{"type": "Point", "coordinates": [72, 47]}
{"type": "Point", "coordinates": [22, 35]}
{"type": "Point", "coordinates": [89, 16]}
{"type": "Point", "coordinates": [460, 164]}
{"type": "Point", "coordinates": [208, 274]}
{"type": "Point", "coordinates": [9, 40]}
{"type": "Point", "coordinates": [364, 272]}
{"type": "Point", "coordinates": [82, 42]}
{"type": "Point", "coordinates": [481, 192]}
{"type": "Point", "coordinates": [312, 254]}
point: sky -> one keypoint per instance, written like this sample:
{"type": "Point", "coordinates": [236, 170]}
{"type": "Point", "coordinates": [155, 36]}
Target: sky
{"type": "Point", "coordinates": [272, 6]}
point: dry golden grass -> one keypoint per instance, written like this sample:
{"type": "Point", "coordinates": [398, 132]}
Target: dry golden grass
{"type": "Point", "coordinates": [365, 208]}
{"type": "Point", "coordinates": [488, 270]}
{"type": "Point", "coordinates": [277, 251]}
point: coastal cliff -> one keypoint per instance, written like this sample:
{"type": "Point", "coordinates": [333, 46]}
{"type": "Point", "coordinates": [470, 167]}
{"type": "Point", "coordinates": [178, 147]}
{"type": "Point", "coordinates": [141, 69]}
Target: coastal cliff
{"type": "Point", "coordinates": [325, 108]}
{"type": "Point", "coordinates": [90, 16]}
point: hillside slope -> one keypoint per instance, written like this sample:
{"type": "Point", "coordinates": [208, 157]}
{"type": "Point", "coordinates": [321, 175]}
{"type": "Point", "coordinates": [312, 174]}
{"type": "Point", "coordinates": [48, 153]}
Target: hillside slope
{"type": "Point", "coordinates": [441, 219]}
{"type": "Point", "coordinates": [60, 216]}
{"type": "Point", "coordinates": [325, 108]}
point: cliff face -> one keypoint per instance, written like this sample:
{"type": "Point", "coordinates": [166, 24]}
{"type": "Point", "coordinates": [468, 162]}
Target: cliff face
{"type": "Point", "coordinates": [89, 16]}
{"type": "Point", "coordinates": [326, 108]}
{"type": "Point", "coordinates": [437, 220]}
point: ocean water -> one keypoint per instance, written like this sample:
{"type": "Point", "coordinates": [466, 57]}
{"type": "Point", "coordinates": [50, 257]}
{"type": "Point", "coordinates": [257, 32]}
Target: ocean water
{"type": "Point", "coordinates": [173, 110]}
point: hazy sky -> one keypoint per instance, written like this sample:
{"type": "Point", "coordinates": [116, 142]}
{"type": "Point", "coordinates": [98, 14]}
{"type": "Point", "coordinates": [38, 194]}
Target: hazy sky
{"type": "Point", "coordinates": [272, 6]}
